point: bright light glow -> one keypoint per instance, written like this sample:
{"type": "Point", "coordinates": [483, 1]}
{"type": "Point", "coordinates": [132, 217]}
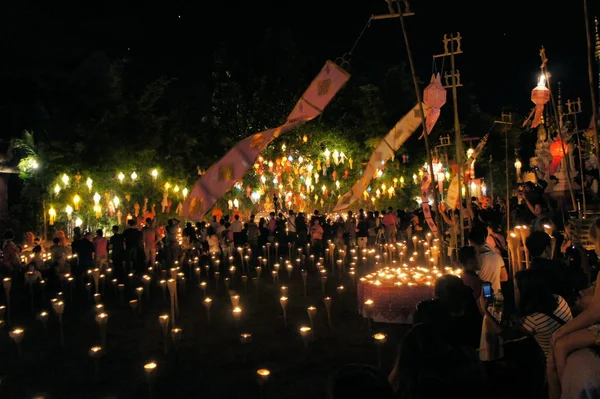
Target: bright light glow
{"type": "Point", "coordinates": [56, 189]}
{"type": "Point", "coordinates": [78, 222]}
{"type": "Point", "coordinates": [542, 80]}
{"type": "Point", "coordinates": [65, 179]}
{"type": "Point", "coordinates": [96, 198]}
{"type": "Point", "coordinates": [176, 189]}
{"type": "Point", "coordinates": [184, 192]}
{"type": "Point", "coordinates": [116, 201]}
{"type": "Point", "coordinates": [154, 173]}
{"type": "Point", "coordinates": [133, 175]}
{"type": "Point", "coordinates": [34, 164]}
{"type": "Point", "coordinates": [89, 182]}
{"type": "Point", "coordinates": [120, 176]}
{"type": "Point", "coordinates": [69, 209]}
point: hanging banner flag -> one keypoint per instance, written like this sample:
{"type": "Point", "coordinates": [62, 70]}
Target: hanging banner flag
{"type": "Point", "coordinates": [223, 175]}
{"type": "Point", "coordinates": [452, 196]}
{"type": "Point", "coordinates": [425, 204]}
{"type": "Point", "coordinates": [384, 151]}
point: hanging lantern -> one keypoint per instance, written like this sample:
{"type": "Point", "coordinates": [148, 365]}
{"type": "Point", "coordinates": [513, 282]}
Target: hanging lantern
{"type": "Point", "coordinates": [184, 192]}
{"type": "Point", "coordinates": [97, 199]}
{"type": "Point", "coordinates": [65, 179]}
{"type": "Point", "coordinates": [76, 200]}
{"type": "Point", "coordinates": [154, 174]}
{"type": "Point", "coordinates": [69, 211]}
{"type": "Point", "coordinates": [540, 95]}
{"type": "Point", "coordinates": [52, 214]}
{"type": "Point", "coordinates": [434, 97]}
{"type": "Point", "coordinates": [133, 175]}
{"type": "Point", "coordinates": [89, 183]}
{"type": "Point", "coordinates": [78, 222]}
{"type": "Point", "coordinates": [56, 189]}
{"type": "Point", "coordinates": [305, 139]}
{"type": "Point", "coordinates": [97, 211]}
{"type": "Point", "coordinates": [120, 176]}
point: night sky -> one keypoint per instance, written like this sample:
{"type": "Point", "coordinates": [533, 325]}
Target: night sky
{"type": "Point", "coordinates": [176, 38]}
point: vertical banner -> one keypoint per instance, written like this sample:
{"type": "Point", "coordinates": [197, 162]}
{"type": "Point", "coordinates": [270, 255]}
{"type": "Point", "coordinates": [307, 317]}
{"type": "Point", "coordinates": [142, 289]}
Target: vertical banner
{"type": "Point", "coordinates": [223, 175]}
{"type": "Point", "coordinates": [425, 204]}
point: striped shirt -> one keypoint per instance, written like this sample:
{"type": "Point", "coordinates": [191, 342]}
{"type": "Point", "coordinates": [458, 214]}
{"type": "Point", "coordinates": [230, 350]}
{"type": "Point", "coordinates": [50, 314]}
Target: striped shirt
{"type": "Point", "coordinates": [542, 326]}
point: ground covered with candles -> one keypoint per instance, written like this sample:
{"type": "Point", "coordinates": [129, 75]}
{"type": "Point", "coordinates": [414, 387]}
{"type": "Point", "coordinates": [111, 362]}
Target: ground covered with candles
{"type": "Point", "coordinates": [217, 358]}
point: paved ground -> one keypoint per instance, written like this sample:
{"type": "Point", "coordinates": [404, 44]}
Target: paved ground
{"type": "Point", "coordinates": [209, 361]}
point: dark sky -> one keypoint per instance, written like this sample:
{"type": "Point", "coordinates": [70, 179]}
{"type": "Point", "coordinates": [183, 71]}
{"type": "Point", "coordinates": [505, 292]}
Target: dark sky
{"type": "Point", "coordinates": [501, 39]}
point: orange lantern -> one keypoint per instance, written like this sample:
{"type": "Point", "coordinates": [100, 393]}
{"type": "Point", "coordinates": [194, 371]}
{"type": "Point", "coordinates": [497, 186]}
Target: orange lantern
{"type": "Point", "coordinates": [557, 155]}
{"type": "Point", "coordinates": [540, 95]}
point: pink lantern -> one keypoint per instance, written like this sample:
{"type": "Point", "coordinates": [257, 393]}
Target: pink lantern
{"type": "Point", "coordinates": [435, 94]}
{"type": "Point", "coordinates": [540, 95]}
{"type": "Point", "coordinates": [434, 98]}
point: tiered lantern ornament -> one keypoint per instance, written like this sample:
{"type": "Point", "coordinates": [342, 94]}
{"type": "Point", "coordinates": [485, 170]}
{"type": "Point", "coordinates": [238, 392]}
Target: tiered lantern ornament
{"type": "Point", "coordinates": [434, 97]}
{"type": "Point", "coordinates": [540, 95]}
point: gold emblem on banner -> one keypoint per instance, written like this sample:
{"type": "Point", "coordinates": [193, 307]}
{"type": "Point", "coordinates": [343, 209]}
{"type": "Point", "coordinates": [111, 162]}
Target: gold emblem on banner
{"type": "Point", "coordinates": [226, 172]}
{"type": "Point", "coordinates": [196, 206]}
{"type": "Point", "coordinates": [258, 141]}
{"type": "Point", "coordinates": [324, 86]}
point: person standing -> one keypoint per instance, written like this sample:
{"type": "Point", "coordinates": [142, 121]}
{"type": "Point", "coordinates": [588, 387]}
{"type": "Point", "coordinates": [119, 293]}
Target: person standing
{"type": "Point", "coordinates": [171, 245]}
{"type": "Point", "coordinates": [150, 236]}
{"type": "Point", "coordinates": [291, 228]}
{"type": "Point", "coordinates": [117, 245]}
{"type": "Point", "coordinates": [100, 249]}
{"type": "Point", "coordinates": [133, 245]}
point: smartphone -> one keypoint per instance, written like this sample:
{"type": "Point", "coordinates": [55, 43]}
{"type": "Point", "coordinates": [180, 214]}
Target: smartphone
{"type": "Point", "coordinates": [487, 290]}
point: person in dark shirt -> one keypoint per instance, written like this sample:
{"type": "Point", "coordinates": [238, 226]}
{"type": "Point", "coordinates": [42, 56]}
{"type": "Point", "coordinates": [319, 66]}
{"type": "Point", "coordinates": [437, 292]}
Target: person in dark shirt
{"type": "Point", "coordinates": [363, 232]}
{"type": "Point", "coordinates": [190, 231]}
{"type": "Point", "coordinates": [117, 244]}
{"type": "Point", "coordinates": [467, 256]}
{"type": "Point", "coordinates": [84, 249]}
{"type": "Point", "coordinates": [556, 273]}
{"type": "Point", "coordinates": [134, 247]}
{"type": "Point", "coordinates": [454, 312]}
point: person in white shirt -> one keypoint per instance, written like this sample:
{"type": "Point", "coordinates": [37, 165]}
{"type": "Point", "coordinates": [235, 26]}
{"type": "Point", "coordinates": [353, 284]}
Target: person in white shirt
{"type": "Point", "coordinates": [236, 229]}
{"type": "Point", "coordinates": [291, 228]}
{"type": "Point", "coordinates": [492, 265]}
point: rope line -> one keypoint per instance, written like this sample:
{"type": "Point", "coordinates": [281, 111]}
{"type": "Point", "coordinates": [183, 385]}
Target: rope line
{"type": "Point", "coordinates": [368, 24]}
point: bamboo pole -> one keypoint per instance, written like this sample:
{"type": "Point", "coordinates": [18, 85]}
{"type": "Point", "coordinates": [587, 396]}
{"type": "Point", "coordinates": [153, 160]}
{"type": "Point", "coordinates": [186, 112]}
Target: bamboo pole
{"type": "Point", "coordinates": [422, 109]}
{"type": "Point", "coordinates": [458, 144]}
{"type": "Point", "coordinates": [591, 79]}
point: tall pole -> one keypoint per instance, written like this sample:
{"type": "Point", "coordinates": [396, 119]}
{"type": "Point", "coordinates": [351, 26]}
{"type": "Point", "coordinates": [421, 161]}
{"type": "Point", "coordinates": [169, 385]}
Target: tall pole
{"type": "Point", "coordinates": [458, 138]}
{"type": "Point", "coordinates": [422, 109]}
{"type": "Point", "coordinates": [455, 76]}
{"type": "Point", "coordinates": [591, 79]}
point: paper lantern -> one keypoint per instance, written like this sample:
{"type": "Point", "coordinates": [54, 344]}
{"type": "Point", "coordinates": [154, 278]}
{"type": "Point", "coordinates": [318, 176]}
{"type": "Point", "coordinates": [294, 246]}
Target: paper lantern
{"type": "Point", "coordinates": [435, 94]}
{"type": "Point", "coordinates": [556, 148]}
{"type": "Point", "coordinates": [540, 95]}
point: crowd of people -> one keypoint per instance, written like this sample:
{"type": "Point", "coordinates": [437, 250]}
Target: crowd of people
{"type": "Point", "coordinates": [484, 321]}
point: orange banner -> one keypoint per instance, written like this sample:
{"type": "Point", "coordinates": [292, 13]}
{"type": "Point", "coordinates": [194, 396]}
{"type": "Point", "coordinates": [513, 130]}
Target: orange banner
{"type": "Point", "coordinates": [223, 175]}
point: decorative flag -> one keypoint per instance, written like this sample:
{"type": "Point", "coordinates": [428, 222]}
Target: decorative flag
{"type": "Point", "coordinates": [384, 151]}
{"type": "Point", "coordinates": [223, 175]}
{"type": "Point", "coordinates": [452, 196]}
{"type": "Point", "coordinates": [425, 203]}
